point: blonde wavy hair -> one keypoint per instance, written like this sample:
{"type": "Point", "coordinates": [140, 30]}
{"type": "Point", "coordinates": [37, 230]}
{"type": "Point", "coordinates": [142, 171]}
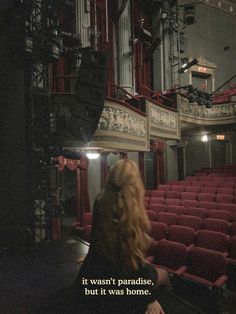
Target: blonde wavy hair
{"type": "Point", "coordinates": [120, 220]}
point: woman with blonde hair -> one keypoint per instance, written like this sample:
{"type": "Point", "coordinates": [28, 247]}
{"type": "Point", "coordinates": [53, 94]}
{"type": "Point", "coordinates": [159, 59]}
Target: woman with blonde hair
{"type": "Point", "coordinates": [115, 277]}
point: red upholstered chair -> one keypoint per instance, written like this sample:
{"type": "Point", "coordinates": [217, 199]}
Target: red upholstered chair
{"type": "Point", "coordinates": [146, 199]}
{"type": "Point", "coordinates": [197, 211]}
{"type": "Point", "coordinates": [227, 206]}
{"type": "Point", "coordinates": [181, 234]}
{"type": "Point", "coordinates": [209, 197]}
{"type": "Point", "coordinates": [173, 201]}
{"type": "Point", "coordinates": [227, 184]}
{"type": "Point", "coordinates": [190, 221]}
{"type": "Point", "coordinates": [224, 198]}
{"type": "Point", "coordinates": [188, 195]}
{"type": "Point", "coordinates": [206, 267]}
{"type": "Point", "coordinates": [225, 190]}
{"type": "Point", "coordinates": [167, 218]}
{"type": "Point", "coordinates": [184, 182]}
{"type": "Point", "coordinates": [191, 178]}
{"type": "Point", "coordinates": [178, 188]}
{"type": "Point", "coordinates": [210, 189]}
{"type": "Point", "coordinates": [147, 192]}
{"type": "Point", "coordinates": [158, 207]}
{"type": "Point", "coordinates": [156, 200]}
{"type": "Point", "coordinates": [212, 184]}
{"type": "Point", "coordinates": [232, 248]}
{"type": "Point", "coordinates": [216, 225]}
{"type": "Point", "coordinates": [163, 187]}
{"type": "Point", "coordinates": [176, 209]}
{"type": "Point", "coordinates": [192, 188]}
{"type": "Point", "coordinates": [213, 240]}
{"type": "Point", "coordinates": [208, 205]}
{"type": "Point", "coordinates": [158, 230]}
{"type": "Point", "coordinates": [198, 183]}
{"type": "Point", "coordinates": [174, 182]}
{"type": "Point", "coordinates": [171, 256]}
{"type": "Point", "coordinates": [151, 215]}
{"type": "Point", "coordinates": [220, 214]}
{"type": "Point", "coordinates": [233, 229]}
{"type": "Point", "coordinates": [158, 193]}
{"type": "Point", "coordinates": [173, 194]}
{"type": "Point", "coordinates": [190, 203]}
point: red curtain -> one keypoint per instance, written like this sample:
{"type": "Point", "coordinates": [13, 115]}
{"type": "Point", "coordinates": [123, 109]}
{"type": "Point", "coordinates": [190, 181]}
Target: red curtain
{"type": "Point", "coordinates": [159, 147]}
{"type": "Point", "coordinates": [82, 195]}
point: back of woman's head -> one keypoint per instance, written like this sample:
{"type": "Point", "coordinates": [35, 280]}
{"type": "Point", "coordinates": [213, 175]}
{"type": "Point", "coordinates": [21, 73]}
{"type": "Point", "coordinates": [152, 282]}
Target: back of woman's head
{"type": "Point", "coordinates": [124, 221]}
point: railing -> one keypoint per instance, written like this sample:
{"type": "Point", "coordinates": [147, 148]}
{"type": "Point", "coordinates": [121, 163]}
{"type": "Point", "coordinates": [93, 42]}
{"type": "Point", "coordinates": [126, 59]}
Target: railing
{"type": "Point", "coordinates": [158, 97]}
{"type": "Point", "coordinates": [116, 92]}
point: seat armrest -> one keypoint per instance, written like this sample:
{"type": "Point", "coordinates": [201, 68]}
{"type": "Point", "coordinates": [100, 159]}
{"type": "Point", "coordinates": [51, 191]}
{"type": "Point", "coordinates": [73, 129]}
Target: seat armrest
{"type": "Point", "coordinates": [181, 270]}
{"type": "Point", "coordinates": [221, 281]}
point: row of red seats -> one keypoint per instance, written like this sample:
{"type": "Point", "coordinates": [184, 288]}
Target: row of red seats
{"type": "Point", "coordinates": [207, 239]}
{"type": "Point", "coordinates": [203, 266]}
{"type": "Point", "coordinates": [224, 188]}
{"type": "Point", "coordinates": [210, 197]}
{"type": "Point", "coordinates": [194, 222]}
{"type": "Point", "coordinates": [194, 211]}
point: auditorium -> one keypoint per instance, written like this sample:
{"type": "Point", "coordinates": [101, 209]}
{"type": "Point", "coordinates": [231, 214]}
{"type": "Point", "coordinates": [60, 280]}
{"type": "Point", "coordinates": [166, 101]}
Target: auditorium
{"type": "Point", "coordinates": [86, 84]}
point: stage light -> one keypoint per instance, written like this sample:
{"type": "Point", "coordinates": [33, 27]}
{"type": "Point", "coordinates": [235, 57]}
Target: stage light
{"type": "Point", "coordinates": [187, 66]}
{"type": "Point", "coordinates": [189, 14]}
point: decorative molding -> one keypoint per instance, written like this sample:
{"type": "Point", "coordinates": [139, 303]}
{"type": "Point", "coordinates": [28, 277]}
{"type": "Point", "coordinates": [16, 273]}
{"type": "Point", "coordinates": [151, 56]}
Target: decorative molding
{"type": "Point", "coordinates": [162, 122]}
{"type": "Point", "coordinates": [218, 113]}
{"type": "Point", "coordinates": [121, 121]}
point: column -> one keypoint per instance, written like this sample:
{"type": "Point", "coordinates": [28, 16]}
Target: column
{"type": "Point", "coordinates": [125, 59]}
{"type": "Point", "coordinates": [83, 22]}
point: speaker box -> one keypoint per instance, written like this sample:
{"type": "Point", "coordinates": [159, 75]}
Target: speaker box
{"type": "Point", "coordinates": [80, 113]}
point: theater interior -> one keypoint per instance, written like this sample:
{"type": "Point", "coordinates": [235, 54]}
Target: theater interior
{"type": "Point", "coordinates": [85, 83]}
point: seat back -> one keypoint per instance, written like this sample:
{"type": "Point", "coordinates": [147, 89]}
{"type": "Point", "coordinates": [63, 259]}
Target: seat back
{"type": "Point", "coordinates": [216, 225]}
{"type": "Point", "coordinates": [197, 211]}
{"type": "Point", "coordinates": [158, 207]}
{"type": "Point", "coordinates": [158, 230]}
{"type": "Point", "coordinates": [181, 234]}
{"type": "Point", "coordinates": [189, 203]}
{"type": "Point", "coordinates": [189, 195]}
{"type": "Point", "coordinates": [176, 209]}
{"type": "Point", "coordinates": [212, 240]}
{"type": "Point", "coordinates": [227, 206]}
{"type": "Point", "coordinates": [209, 197]}
{"type": "Point", "coordinates": [151, 215]}
{"type": "Point", "coordinates": [224, 198]}
{"type": "Point", "coordinates": [219, 214]}
{"type": "Point", "coordinates": [208, 205]}
{"type": "Point", "coordinates": [178, 188]}
{"type": "Point", "coordinates": [225, 190]}
{"type": "Point", "coordinates": [190, 221]}
{"type": "Point", "coordinates": [171, 254]}
{"type": "Point", "coordinates": [167, 218]}
{"type": "Point", "coordinates": [173, 194]}
{"type": "Point", "coordinates": [173, 201]}
{"type": "Point", "coordinates": [232, 248]}
{"type": "Point", "coordinates": [163, 187]}
{"type": "Point", "coordinates": [205, 263]}
{"type": "Point", "coordinates": [208, 189]}
{"type": "Point", "coordinates": [158, 193]}
{"type": "Point", "coordinates": [192, 188]}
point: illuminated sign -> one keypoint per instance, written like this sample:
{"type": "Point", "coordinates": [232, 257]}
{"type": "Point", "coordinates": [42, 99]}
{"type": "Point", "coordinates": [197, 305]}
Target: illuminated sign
{"type": "Point", "coordinates": [220, 137]}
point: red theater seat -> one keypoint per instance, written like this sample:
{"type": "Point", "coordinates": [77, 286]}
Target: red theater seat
{"type": "Point", "coordinates": [198, 183]}
{"type": "Point", "coordinates": [197, 211]}
{"type": "Point", "coordinates": [227, 206]}
{"type": "Point", "coordinates": [151, 215]}
{"type": "Point", "coordinates": [158, 207]}
{"type": "Point", "coordinates": [171, 256]}
{"type": "Point", "coordinates": [227, 184]}
{"type": "Point", "coordinates": [208, 205]}
{"type": "Point", "coordinates": [181, 234]}
{"type": "Point", "coordinates": [225, 190]}
{"type": "Point", "coordinates": [216, 225]}
{"type": "Point", "coordinates": [188, 196]}
{"type": "Point", "coordinates": [167, 218]}
{"type": "Point", "coordinates": [206, 267]}
{"type": "Point", "coordinates": [163, 187]}
{"type": "Point", "coordinates": [212, 184]}
{"type": "Point", "coordinates": [178, 188]}
{"type": "Point", "coordinates": [220, 214]}
{"type": "Point", "coordinates": [224, 198]}
{"type": "Point", "coordinates": [173, 194]}
{"type": "Point", "coordinates": [209, 197]}
{"type": "Point", "coordinates": [158, 193]}
{"type": "Point", "coordinates": [173, 201]}
{"type": "Point", "coordinates": [176, 209]}
{"type": "Point", "coordinates": [213, 240]}
{"type": "Point", "coordinates": [190, 221]}
{"type": "Point", "coordinates": [156, 200]}
{"type": "Point", "coordinates": [158, 230]}
{"type": "Point", "coordinates": [206, 189]}
{"type": "Point", "coordinates": [191, 188]}
{"type": "Point", "coordinates": [190, 203]}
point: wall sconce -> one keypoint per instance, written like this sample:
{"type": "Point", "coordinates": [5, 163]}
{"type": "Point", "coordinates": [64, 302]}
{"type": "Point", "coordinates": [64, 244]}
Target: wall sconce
{"type": "Point", "coordinates": [92, 155]}
{"type": "Point", "coordinates": [204, 138]}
